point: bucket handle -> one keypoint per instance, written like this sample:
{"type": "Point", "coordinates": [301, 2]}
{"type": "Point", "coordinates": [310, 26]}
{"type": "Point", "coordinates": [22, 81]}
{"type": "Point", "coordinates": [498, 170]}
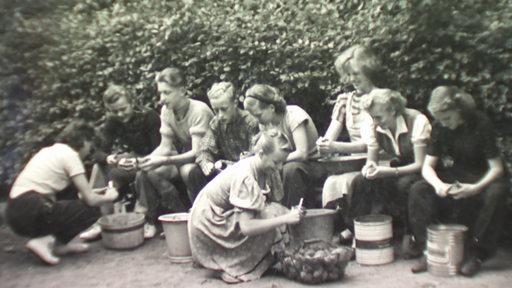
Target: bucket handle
{"type": "Point", "coordinates": [311, 241]}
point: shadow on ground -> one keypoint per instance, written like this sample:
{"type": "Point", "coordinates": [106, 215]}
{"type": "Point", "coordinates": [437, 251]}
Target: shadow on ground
{"type": "Point", "coordinates": [148, 266]}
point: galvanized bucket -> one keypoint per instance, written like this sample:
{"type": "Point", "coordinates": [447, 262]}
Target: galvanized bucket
{"type": "Point", "coordinates": [373, 234]}
{"type": "Point", "coordinates": [445, 249]}
{"type": "Point", "coordinates": [176, 236]}
{"type": "Point", "coordinates": [316, 224]}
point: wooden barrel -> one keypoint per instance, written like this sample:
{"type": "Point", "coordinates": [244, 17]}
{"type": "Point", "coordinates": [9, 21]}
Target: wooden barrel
{"type": "Point", "coordinates": [445, 249]}
{"type": "Point", "coordinates": [122, 231]}
{"type": "Point", "coordinates": [373, 234]}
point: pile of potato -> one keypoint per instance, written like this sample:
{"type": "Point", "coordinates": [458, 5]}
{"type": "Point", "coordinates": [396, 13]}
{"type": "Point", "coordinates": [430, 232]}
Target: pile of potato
{"type": "Point", "coordinates": [314, 263]}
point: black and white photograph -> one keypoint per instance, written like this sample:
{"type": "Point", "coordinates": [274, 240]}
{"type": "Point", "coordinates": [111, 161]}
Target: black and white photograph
{"type": "Point", "coordinates": [256, 143]}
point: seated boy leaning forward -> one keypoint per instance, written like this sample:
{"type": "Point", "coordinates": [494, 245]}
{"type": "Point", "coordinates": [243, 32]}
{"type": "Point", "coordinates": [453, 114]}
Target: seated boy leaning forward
{"type": "Point", "coordinates": [229, 135]}
{"type": "Point", "coordinates": [129, 131]}
{"type": "Point", "coordinates": [184, 123]}
{"type": "Point", "coordinates": [32, 208]}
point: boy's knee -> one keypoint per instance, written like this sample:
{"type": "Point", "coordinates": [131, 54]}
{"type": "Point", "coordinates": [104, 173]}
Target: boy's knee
{"type": "Point", "coordinates": [291, 169]}
{"type": "Point", "coordinates": [329, 185]}
{"type": "Point", "coordinates": [418, 188]}
{"type": "Point", "coordinates": [497, 192]}
{"type": "Point", "coordinates": [404, 184]}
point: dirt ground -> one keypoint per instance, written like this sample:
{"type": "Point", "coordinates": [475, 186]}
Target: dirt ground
{"type": "Point", "coordinates": [148, 266]}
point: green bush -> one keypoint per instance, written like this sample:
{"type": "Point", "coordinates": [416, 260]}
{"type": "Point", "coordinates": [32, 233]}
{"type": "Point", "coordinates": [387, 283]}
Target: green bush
{"type": "Point", "coordinates": [61, 54]}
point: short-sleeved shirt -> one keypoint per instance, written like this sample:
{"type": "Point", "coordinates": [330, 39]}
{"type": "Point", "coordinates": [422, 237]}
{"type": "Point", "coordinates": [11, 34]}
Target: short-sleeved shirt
{"type": "Point", "coordinates": [347, 110]}
{"type": "Point", "coordinates": [227, 140]}
{"type": "Point", "coordinates": [195, 122]}
{"type": "Point", "coordinates": [140, 135]}
{"type": "Point", "coordinates": [412, 130]}
{"type": "Point", "coordinates": [214, 231]}
{"type": "Point", "coordinates": [466, 149]}
{"type": "Point", "coordinates": [233, 190]}
{"type": "Point", "coordinates": [295, 116]}
{"type": "Point", "coordinates": [49, 171]}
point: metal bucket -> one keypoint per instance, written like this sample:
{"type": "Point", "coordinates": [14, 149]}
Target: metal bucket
{"type": "Point", "coordinates": [176, 236]}
{"type": "Point", "coordinates": [373, 234]}
{"type": "Point", "coordinates": [445, 249]}
{"type": "Point", "coordinates": [122, 231]}
{"type": "Point", "coordinates": [317, 224]}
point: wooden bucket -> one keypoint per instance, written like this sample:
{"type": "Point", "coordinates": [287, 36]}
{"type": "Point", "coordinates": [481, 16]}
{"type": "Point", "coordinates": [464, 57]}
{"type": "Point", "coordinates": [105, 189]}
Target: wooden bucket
{"type": "Point", "coordinates": [373, 234]}
{"type": "Point", "coordinates": [122, 231]}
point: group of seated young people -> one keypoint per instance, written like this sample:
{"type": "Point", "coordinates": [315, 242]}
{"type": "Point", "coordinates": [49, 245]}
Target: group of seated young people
{"type": "Point", "coordinates": [242, 172]}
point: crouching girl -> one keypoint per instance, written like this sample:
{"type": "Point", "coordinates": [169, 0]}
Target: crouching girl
{"type": "Point", "coordinates": [232, 223]}
{"type": "Point", "coordinates": [34, 212]}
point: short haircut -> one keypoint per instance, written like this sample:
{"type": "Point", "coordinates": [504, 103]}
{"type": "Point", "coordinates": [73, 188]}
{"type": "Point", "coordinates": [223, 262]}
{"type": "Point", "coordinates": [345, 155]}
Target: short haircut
{"type": "Point", "coordinates": [390, 99]}
{"type": "Point", "coordinates": [445, 98]}
{"type": "Point", "coordinates": [266, 95]}
{"type": "Point", "coordinates": [172, 76]}
{"type": "Point", "coordinates": [367, 61]}
{"type": "Point", "coordinates": [114, 92]}
{"type": "Point", "coordinates": [222, 89]}
{"type": "Point", "coordinates": [76, 133]}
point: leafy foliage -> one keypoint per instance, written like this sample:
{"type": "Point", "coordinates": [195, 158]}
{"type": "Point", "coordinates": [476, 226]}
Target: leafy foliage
{"type": "Point", "coordinates": [59, 55]}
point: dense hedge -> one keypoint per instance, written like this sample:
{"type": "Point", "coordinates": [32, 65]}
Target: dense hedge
{"type": "Point", "coordinates": [59, 55]}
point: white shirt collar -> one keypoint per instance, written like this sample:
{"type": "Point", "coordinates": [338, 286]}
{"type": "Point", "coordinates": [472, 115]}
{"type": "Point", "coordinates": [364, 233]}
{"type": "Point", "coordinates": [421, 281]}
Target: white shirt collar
{"type": "Point", "coordinates": [401, 128]}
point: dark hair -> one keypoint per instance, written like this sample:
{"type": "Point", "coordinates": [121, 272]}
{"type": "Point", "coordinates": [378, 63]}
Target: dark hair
{"type": "Point", "coordinates": [267, 95]}
{"type": "Point", "coordinates": [114, 92]}
{"type": "Point", "coordinates": [172, 76]}
{"type": "Point", "coordinates": [75, 134]}
{"type": "Point", "coordinates": [366, 60]}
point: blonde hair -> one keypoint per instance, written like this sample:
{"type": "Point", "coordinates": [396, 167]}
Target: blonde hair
{"type": "Point", "coordinates": [450, 98]}
{"type": "Point", "coordinates": [220, 89]}
{"type": "Point", "coordinates": [390, 99]}
{"type": "Point", "coordinates": [365, 59]}
{"type": "Point", "coordinates": [271, 140]}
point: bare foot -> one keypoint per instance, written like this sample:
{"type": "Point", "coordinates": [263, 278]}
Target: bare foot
{"type": "Point", "coordinates": [42, 248]}
{"type": "Point", "coordinates": [229, 279]}
{"type": "Point", "coordinates": [92, 233]}
{"type": "Point", "coordinates": [70, 248]}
